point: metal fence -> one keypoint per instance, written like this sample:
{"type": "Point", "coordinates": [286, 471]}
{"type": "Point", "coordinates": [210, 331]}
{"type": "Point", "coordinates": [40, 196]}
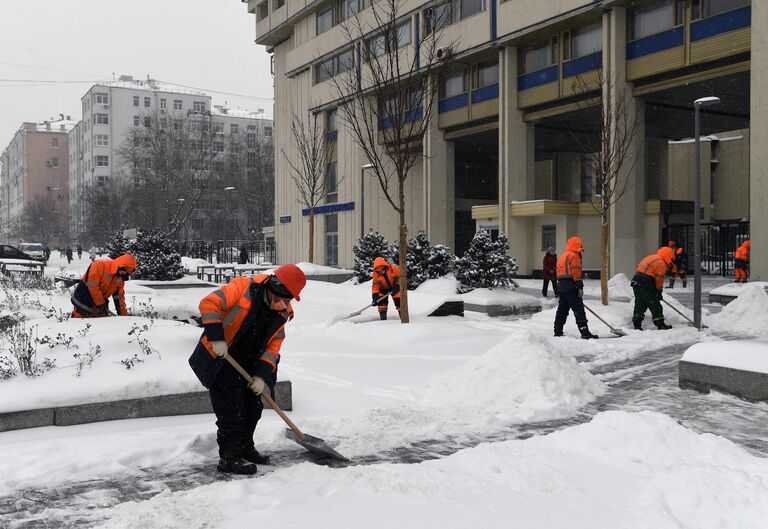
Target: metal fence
{"type": "Point", "coordinates": [230, 251]}
{"type": "Point", "coordinates": [719, 241]}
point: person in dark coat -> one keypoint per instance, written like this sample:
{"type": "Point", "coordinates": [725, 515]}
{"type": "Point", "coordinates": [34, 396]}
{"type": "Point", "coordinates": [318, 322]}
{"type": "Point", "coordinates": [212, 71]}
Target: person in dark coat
{"type": "Point", "coordinates": [548, 271]}
{"type": "Point", "coordinates": [69, 254]}
{"type": "Point", "coordinates": [79, 252]}
{"type": "Point", "coordinates": [243, 257]}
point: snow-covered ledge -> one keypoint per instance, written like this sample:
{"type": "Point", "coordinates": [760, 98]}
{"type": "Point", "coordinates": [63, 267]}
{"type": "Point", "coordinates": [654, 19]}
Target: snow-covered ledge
{"type": "Point", "coordinates": [736, 367]}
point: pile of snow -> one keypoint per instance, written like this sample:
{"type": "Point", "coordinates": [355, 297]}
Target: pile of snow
{"type": "Point", "coordinates": [736, 289]}
{"type": "Point", "coordinates": [618, 287]}
{"type": "Point", "coordinates": [747, 314]}
{"type": "Point", "coordinates": [734, 354]}
{"type": "Point", "coordinates": [443, 286]}
{"type": "Point", "coordinates": [190, 265]}
{"type": "Point", "coordinates": [620, 470]}
{"type": "Point", "coordinates": [312, 269]}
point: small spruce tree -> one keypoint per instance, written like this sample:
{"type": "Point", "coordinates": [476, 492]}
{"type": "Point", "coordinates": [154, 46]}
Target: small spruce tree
{"type": "Point", "coordinates": [156, 257]}
{"type": "Point", "coordinates": [419, 252]}
{"type": "Point", "coordinates": [117, 245]}
{"type": "Point", "coordinates": [486, 264]}
{"type": "Point", "coordinates": [440, 261]}
{"type": "Point", "coordinates": [368, 247]}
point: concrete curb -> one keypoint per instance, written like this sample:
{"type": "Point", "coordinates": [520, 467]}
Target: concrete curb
{"type": "Point", "coordinates": [503, 310]}
{"type": "Point", "coordinates": [161, 406]}
{"type": "Point", "coordinates": [748, 385]}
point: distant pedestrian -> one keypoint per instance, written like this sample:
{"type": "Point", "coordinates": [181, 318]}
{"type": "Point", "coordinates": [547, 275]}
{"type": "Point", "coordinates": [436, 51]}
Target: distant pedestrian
{"type": "Point", "coordinates": [741, 262]}
{"type": "Point", "coordinates": [243, 257]}
{"type": "Point", "coordinates": [92, 253]}
{"type": "Point", "coordinates": [548, 271]}
{"type": "Point", "coordinates": [69, 254]}
{"type": "Point", "coordinates": [47, 252]}
{"type": "Point", "coordinates": [79, 252]}
{"type": "Point", "coordinates": [680, 263]}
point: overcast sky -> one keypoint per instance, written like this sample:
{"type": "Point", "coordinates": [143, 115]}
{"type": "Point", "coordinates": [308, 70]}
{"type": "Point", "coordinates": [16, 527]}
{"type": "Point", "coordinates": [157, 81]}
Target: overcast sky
{"type": "Point", "coordinates": [201, 43]}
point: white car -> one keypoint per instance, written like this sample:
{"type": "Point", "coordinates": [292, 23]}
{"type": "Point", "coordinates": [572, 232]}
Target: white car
{"type": "Point", "coordinates": [33, 249]}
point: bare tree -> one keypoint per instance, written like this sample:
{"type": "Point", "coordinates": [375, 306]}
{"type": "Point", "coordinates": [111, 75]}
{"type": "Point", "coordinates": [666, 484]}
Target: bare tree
{"type": "Point", "coordinates": [309, 169]}
{"type": "Point", "coordinates": [259, 183]}
{"type": "Point", "coordinates": [42, 221]}
{"type": "Point", "coordinates": [386, 86]}
{"type": "Point", "coordinates": [107, 209]}
{"type": "Point", "coordinates": [616, 150]}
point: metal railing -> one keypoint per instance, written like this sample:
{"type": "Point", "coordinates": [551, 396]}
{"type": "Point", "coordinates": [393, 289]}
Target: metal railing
{"type": "Point", "coordinates": [719, 241]}
{"type": "Point", "coordinates": [230, 251]}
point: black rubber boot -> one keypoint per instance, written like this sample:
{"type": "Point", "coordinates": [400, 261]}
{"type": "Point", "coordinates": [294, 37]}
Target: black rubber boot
{"type": "Point", "coordinates": [685, 284]}
{"type": "Point", "coordinates": [638, 324]}
{"type": "Point", "coordinates": [382, 314]}
{"type": "Point", "coordinates": [558, 330]}
{"type": "Point", "coordinates": [671, 284]}
{"type": "Point", "coordinates": [236, 466]}
{"type": "Point", "coordinates": [662, 326]}
{"type": "Point", "coordinates": [253, 456]}
{"type": "Point", "coordinates": [585, 334]}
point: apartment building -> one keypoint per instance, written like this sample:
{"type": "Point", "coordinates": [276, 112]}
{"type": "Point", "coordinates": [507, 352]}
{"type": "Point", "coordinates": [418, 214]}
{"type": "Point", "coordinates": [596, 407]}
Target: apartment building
{"type": "Point", "coordinates": [513, 131]}
{"type": "Point", "coordinates": [112, 109]}
{"type": "Point", "coordinates": [34, 169]}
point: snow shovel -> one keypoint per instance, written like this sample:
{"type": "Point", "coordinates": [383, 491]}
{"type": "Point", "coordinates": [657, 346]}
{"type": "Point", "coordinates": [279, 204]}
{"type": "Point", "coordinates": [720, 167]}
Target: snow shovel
{"type": "Point", "coordinates": [358, 312]}
{"type": "Point", "coordinates": [314, 444]}
{"type": "Point", "coordinates": [668, 304]}
{"type": "Point", "coordinates": [617, 332]}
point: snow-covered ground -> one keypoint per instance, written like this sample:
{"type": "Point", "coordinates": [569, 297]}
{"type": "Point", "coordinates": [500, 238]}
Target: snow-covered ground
{"type": "Point", "coordinates": [369, 387]}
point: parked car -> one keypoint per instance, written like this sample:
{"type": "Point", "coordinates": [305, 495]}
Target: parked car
{"type": "Point", "coordinates": [34, 249]}
{"type": "Point", "coordinates": [11, 252]}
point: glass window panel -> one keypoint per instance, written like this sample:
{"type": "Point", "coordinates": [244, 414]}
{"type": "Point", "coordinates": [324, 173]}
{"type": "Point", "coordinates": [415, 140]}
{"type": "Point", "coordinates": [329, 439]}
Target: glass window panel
{"type": "Point", "coordinates": [587, 40]}
{"type": "Point", "coordinates": [716, 7]}
{"type": "Point", "coordinates": [404, 34]}
{"type": "Point", "coordinates": [454, 84]}
{"type": "Point", "coordinates": [324, 19]}
{"type": "Point", "coordinates": [535, 57]}
{"type": "Point", "coordinates": [344, 62]}
{"type": "Point", "coordinates": [471, 7]}
{"type": "Point", "coordinates": [487, 73]}
{"type": "Point", "coordinates": [651, 19]}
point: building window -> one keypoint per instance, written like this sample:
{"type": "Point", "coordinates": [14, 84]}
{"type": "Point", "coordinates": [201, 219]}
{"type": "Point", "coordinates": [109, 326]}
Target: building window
{"type": "Point", "coordinates": [267, 131]}
{"type": "Point", "coordinates": [278, 4]}
{"type": "Point", "coordinates": [56, 206]}
{"type": "Point", "coordinates": [147, 102]}
{"type": "Point", "coordinates": [250, 140]}
{"type": "Point", "coordinates": [333, 66]}
{"type": "Point", "coordinates": [101, 119]}
{"type": "Point", "coordinates": [163, 104]}
{"type": "Point", "coordinates": [349, 8]}
{"type": "Point", "coordinates": [385, 43]}
{"type": "Point", "coordinates": [218, 146]}
{"type": "Point", "coordinates": [710, 8]}
{"type": "Point", "coordinates": [331, 183]}
{"type": "Point", "coordinates": [102, 140]}
{"type": "Point", "coordinates": [147, 121]}
{"type": "Point", "coordinates": [586, 40]}
{"type": "Point", "coordinates": [250, 159]}
{"type": "Point", "coordinates": [538, 56]}
{"type": "Point", "coordinates": [135, 101]}
{"type": "Point", "coordinates": [262, 11]}
{"type": "Point", "coordinates": [487, 73]}
{"type": "Point", "coordinates": [55, 161]}
{"type": "Point", "coordinates": [332, 240]}
{"type": "Point", "coordinates": [324, 19]}
{"type": "Point", "coordinates": [136, 121]}
{"type": "Point", "coordinates": [218, 128]}
{"type": "Point", "coordinates": [234, 128]}
{"type": "Point", "coordinates": [654, 18]}
{"type": "Point", "coordinates": [176, 124]}
{"type": "Point", "coordinates": [331, 120]}
{"type": "Point", "coordinates": [55, 143]}
{"type": "Point", "coordinates": [55, 182]}
{"type": "Point", "coordinates": [177, 104]}
{"type": "Point", "coordinates": [438, 17]}
{"type": "Point", "coordinates": [102, 161]}
{"type": "Point", "coordinates": [102, 98]}
{"type": "Point", "coordinates": [198, 106]}
{"type": "Point", "coordinates": [548, 236]}
{"type": "Point", "coordinates": [453, 84]}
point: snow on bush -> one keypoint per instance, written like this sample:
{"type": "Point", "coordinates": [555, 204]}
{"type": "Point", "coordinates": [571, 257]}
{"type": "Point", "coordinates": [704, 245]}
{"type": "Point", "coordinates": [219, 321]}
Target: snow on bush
{"type": "Point", "coordinates": [747, 314]}
{"type": "Point", "coordinates": [486, 264]}
{"type": "Point", "coordinates": [156, 256]}
{"type": "Point", "coordinates": [424, 261]}
{"type": "Point", "coordinates": [117, 245]}
{"type": "Point", "coordinates": [368, 247]}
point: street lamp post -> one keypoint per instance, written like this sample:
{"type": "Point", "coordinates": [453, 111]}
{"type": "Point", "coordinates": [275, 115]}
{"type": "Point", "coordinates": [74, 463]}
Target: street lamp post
{"type": "Point", "coordinates": [363, 169]}
{"type": "Point", "coordinates": [226, 215]}
{"type": "Point", "coordinates": [702, 102]}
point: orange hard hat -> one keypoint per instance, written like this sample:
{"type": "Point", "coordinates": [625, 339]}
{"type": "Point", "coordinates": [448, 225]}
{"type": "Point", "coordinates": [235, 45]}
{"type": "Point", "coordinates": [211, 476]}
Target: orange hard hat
{"type": "Point", "coordinates": [672, 244]}
{"type": "Point", "coordinates": [292, 279]}
{"type": "Point", "coordinates": [667, 254]}
{"type": "Point", "coordinates": [574, 244]}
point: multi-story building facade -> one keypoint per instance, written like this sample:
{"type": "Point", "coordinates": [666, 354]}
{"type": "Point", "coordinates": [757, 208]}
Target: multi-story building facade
{"type": "Point", "coordinates": [35, 168]}
{"type": "Point", "coordinates": [112, 110]}
{"type": "Point", "coordinates": [512, 132]}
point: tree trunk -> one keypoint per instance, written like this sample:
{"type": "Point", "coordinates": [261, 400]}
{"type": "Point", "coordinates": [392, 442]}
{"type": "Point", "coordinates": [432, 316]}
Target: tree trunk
{"type": "Point", "coordinates": [403, 251]}
{"type": "Point", "coordinates": [604, 261]}
{"type": "Point", "coordinates": [311, 257]}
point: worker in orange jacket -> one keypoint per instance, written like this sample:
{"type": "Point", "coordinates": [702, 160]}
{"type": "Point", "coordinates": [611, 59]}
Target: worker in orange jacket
{"type": "Point", "coordinates": [570, 288]}
{"type": "Point", "coordinates": [103, 279]}
{"type": "Point", "coordinates": [648, 284]}
{"type": "Point", "coordinates": [246, 319]}
{"type": "Point", "coordinates": [386, 282]}
{"type": "Point", "coordinates": [741, 262]}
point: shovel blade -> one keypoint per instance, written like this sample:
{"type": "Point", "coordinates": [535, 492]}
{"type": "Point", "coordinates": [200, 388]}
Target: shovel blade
{"type": "Point", "coordinates": [618, 332]}
{"type": "Point", "coordinates": [315, 445]}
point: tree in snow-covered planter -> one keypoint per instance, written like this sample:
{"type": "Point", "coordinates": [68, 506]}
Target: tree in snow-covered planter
{"type": "Point", "coordinates": [424, 260]}
{"type": "Point", "coordinates": [368, 247]}
{"type": "Point", "coordinates": [486, 264]}
{"type": "Point", "coordinates": [156, 257]}
{"type": "Point", "coordinates": [440, 261]}
{"type": "Point", "coordinates": [117, 245]}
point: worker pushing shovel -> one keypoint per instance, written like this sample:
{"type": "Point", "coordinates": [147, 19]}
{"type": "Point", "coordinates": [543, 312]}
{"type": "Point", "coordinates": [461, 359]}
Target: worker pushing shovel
{"type": "Point", "coordinates": [385, 283]}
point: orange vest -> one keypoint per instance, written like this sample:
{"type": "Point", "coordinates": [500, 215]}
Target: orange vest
{"type": "Point", "coordinates": [655, 267]}
{"type": "Point", "coordinates": [229, 305]}
{"type": "Point", "coordinates": [569, 266]}
{"type": "Point", "coordinates": [385, 282]}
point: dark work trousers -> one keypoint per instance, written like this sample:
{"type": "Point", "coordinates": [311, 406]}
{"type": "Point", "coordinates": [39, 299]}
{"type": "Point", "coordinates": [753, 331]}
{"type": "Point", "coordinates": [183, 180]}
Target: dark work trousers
{"type": "Point", "coordinates": [570, 300]}
{"type": "Point", "coordinates": [237, 411]}
{"type": "Point", "coordinates": [384, 303]}
{"type": "Point", "coordinates": [647, 298]}
{"type": "Point", "coordinates": [545, 286]}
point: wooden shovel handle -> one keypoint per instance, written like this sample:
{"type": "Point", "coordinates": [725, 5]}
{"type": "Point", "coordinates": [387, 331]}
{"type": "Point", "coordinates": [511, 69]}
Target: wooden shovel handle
{"type": "Point", "coordinates": [234, 363]}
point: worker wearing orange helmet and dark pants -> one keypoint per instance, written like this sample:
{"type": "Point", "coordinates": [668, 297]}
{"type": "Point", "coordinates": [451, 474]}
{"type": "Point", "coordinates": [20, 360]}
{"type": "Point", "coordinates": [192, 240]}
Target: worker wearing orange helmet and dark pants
{"type": "Point", "coordinates": [648, 284]}
{"type": "Point", "coordinates": [570, 289]}
{"type": "Point", "coordinates": [245, 318]}
{"type": "Point", "coordinates": [103, 279]}
{"type": "Point", "coordinates": [681, 265]}
{"type": "Point", "coordinates": [741, 262]}
{"type": "Point", "coordinates": [386, 282]}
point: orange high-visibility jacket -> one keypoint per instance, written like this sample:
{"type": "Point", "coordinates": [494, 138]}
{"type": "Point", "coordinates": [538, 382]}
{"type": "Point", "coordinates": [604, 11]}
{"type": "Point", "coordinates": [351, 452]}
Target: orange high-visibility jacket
{"type": "Point", "coordinates": [224, 310]}
{"type": "Point", "coordinates": [655, 267]}
{"type": "Point", "coordinates": [102, 281]}
{"type": "Point", "coordinates": [742, 252]}
{"type": "Point", "coordinates": [386, 282]}
{"type": "Point", "coordinates": [569, 263]}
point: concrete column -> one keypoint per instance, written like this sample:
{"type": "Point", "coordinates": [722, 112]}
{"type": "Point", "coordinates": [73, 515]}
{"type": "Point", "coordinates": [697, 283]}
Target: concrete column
{"type": "Point", "coordinates": [627, 215]}
{"type": "Point", "coordinates": [758, 139]}
{"type": "Point", "coordinates": [439, 186]}
{"type": "Point", "coordinates": [516, 162]}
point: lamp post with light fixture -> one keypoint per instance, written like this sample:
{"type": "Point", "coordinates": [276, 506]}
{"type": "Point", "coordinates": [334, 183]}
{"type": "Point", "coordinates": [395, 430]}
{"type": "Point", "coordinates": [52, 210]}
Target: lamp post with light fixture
{"type": "Point", "coordinates": [363, 169]}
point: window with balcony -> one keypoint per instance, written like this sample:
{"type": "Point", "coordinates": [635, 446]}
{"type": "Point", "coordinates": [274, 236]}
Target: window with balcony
{"type": "Point", "coordinates": [324, 19]}
{"type": "Point", "coordinates": [333, 66]}
{"type": "Point", "coordinates": [654, 18]}
{"type": "Point", "coordinates": [538, 56]}
{"type": "Point", "coordinates": [710, 8]}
